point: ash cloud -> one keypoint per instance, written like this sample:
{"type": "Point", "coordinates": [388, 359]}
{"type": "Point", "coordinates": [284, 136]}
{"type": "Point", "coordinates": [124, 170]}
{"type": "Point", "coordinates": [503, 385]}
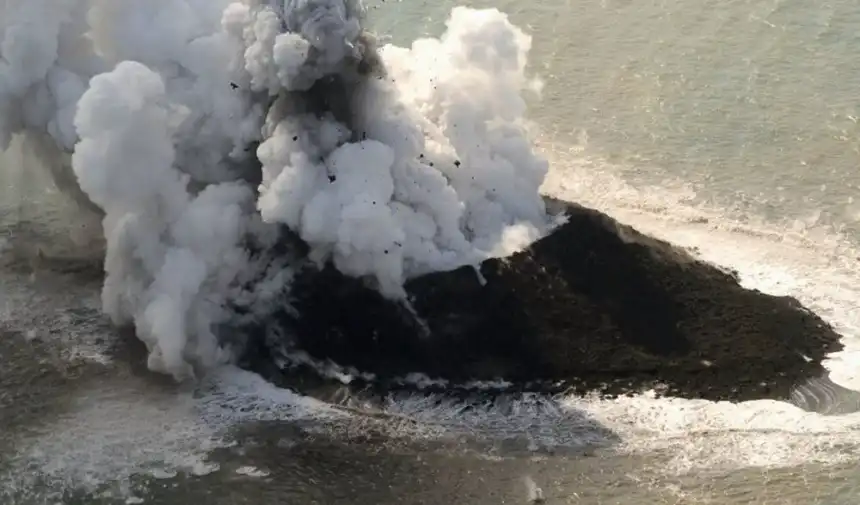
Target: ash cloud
{"type": "Point", "coordinates": [211, 133]}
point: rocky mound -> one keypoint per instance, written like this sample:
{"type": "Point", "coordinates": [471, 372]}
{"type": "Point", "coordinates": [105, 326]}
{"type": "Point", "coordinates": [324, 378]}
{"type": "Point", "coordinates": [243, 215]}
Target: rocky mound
{"type": "Point", "coordinates": [594, 306]}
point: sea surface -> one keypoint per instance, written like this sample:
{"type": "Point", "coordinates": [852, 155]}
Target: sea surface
{"type": "Point", "coordinates": [727, 126]}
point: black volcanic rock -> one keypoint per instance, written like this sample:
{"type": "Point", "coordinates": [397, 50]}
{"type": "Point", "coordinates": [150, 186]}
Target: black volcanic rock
{"type": "Point", "coordinates": [595, 304]}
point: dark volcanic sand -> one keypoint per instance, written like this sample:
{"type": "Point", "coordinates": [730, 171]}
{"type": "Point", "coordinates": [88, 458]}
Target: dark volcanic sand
{"type": "Point", "coordinates": [595, 304]}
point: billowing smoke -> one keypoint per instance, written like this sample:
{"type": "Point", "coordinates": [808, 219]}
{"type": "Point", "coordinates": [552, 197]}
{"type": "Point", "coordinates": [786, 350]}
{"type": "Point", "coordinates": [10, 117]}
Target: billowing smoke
{"type": "Point", "coordinates": [210, 132]}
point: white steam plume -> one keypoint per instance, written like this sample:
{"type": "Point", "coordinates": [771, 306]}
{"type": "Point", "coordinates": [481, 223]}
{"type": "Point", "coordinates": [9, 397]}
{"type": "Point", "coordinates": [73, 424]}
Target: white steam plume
{"type": "Point", "coordinates": [389, 163]}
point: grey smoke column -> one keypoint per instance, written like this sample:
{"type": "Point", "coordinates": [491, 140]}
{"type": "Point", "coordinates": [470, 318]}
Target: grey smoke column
{"type": "Point", "coordinates": [321, 55]}
{"type": "Point", "coordinates": [333, 32]}
{"type": "Point", "coordinates": [203, 128]}
{"type": "Point", "coordinates": [333, 28]}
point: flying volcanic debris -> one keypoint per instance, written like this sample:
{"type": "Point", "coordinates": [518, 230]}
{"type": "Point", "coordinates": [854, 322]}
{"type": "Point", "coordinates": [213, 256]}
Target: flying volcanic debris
{"type": "Point", "coordinates": [213, 133]}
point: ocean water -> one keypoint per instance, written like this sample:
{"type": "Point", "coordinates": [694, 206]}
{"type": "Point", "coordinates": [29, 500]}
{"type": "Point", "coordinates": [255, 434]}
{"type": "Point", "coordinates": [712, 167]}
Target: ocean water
{"type": "Point", "coordinates": [748, 103]}
{"type": "Point", "coordinates": [729, 127]}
